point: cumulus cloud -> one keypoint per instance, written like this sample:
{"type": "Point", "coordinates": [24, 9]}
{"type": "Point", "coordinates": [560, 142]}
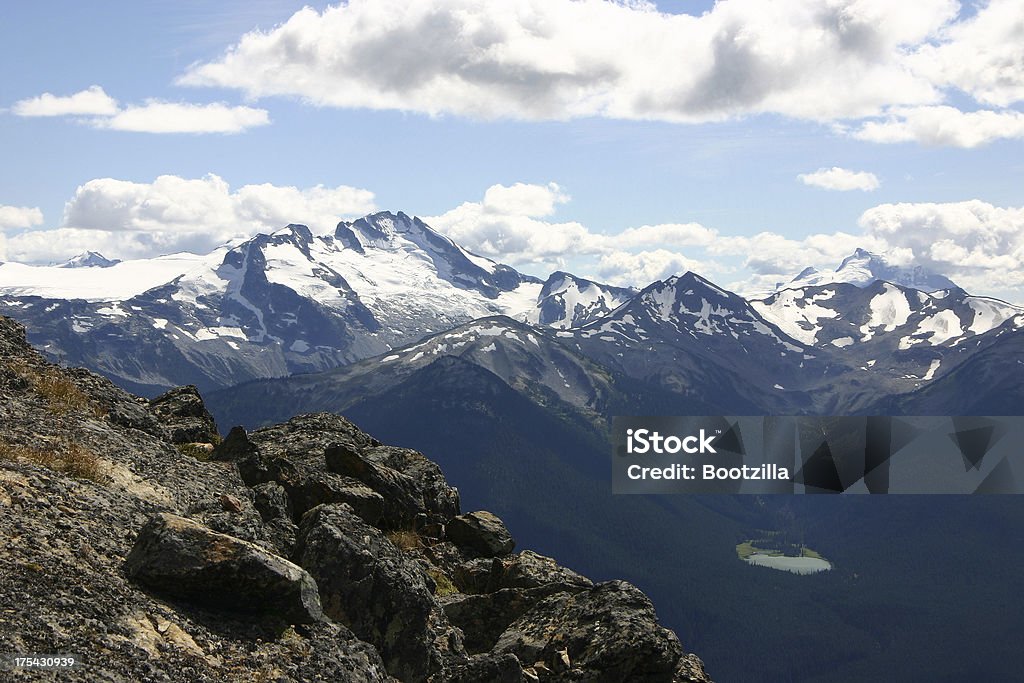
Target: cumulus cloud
{"type": "Point", "coordinates": [982, 56]}
{"type": "Point", "coordinates": [511, 225]}
{"type": "Point", "coordinates": [524, 199]}
{"type": "Point", "coordinates": [561, 59]}
{"type": "Point", "coordinates": [840, 179]}
{"type": "Point", "coordinates": [99, 110]}
{"type": "Point", "coordinates": [981, 244]}
{"type": "Point", "coordinates": [943, 125]}
{"type": "Point", "coordinates": [14, 217]}
{"type": "Point", "coordinates": [92, 101]}
{"type": "Point", "coordinates": [641, 268]}
{"type": "Point", "coordinates": [512, 230]}
{"type": "Point", "coordinates": [172, 117]}
{"type": "Point", "coordinates": [675, 234]}
{"type": "Point", "coordinates": [125, 219]}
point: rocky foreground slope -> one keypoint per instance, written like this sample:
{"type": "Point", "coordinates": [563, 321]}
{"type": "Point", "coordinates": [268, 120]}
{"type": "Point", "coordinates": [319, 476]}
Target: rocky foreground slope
{"type": "Point", "coordinates": [135, 539]}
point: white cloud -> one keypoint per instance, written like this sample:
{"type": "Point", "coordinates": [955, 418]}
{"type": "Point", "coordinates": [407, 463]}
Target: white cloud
{"type": "Point", "coordinates": [774, 255]}
{"type": "Point", "coordinates": [982, 56]}
{"type": "Point", "coordinates": [561, 59]}
{"type": "Point", "coordinates": [92, 101]}
{"type": "Point", "coordinates": [943, 125]}
{"type": "Point", "coordinates": [514, 238]}
{"type": "Point", "coordinates": [14, 217]}
{"type": "Point", "coordinates": [975, 243]}
{"type": "Point", "coordinates": [125, 219]}
{"type": "Point", "coordinates": [524, 199]}
{"type": "Point", "coordinates": [840, 179]}
{"type": "Point", "coordinates": [99, 110]}
{"type": "Point", "coordinates": [668, 234]}
{"type": "Point", "coordinates": [642, 268]}
{"type": "Point", "coordinates": [509, 226]}
{"type": "Point", "coordinates": [176, 117]}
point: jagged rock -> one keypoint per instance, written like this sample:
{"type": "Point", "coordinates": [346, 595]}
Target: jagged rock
{"type": "Point", "coordinates": [690, 670]}
{"type": "Point", "coordinates": [195, 601]}
{"type": "Point", "coordinates": [440, 501]}
{"type": "Point", "coordinates": [274, 507]}
{"type": "Point", "coordinates": [271, 501]}
{"type": "Point", "coordinates": [609, 633]}
{"type": "Point", "coordinates": [492, 668]}
{"type": "Point", "coordinates": [482, 531]}
{"type": "Point", "coordinates": [235, 447]}
{"type": "Point", "coordinates": [497, 591]}
{"type": "Point", "coordinates": [484, 617]}
{"type": "Point", "coordinates": [184, 415]}
{"type": "Point", "coordinates": [183, 559]}
{"type": "Point", "coordinates": [526, 569]}
{"type": "Point", "coordinates": [401, 499]}
{"type": "Point", "coordinates": [369, 585]}
{"type": "Point", "coordinates": [303, 439]}
{"type": "Point", "coordinates": [327, 488]}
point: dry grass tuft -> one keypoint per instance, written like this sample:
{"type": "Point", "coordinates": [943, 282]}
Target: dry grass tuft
{"type": "Point", "coordinates": [71, 458]}
{"type": "Point", "coordinates": [405, 540]}
{"type": "Point", "coordinates": [61, 394]}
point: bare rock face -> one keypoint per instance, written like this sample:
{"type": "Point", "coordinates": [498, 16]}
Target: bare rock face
{"type": "Point", "coordinates": [483, 532]}
{"type": "Point", "coordinates": [410, 484]}
{"type": "Point", "coordinates": [607, 633]}
{"type": "Point", "coordinates": [183, 559]}
{"type": "Point", "coordinates": [370, 586]}
{"type": "Point", "coordinates": [184, 415]}
{"type": "Point", "coordinates": [235, 446]}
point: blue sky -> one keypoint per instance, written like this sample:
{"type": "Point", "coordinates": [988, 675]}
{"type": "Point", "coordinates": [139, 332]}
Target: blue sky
{"type": "Point", "coordinates": [706, 123]}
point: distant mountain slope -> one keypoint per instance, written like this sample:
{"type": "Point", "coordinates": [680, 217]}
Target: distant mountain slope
{"type": "Point", "coordinates": [986, 383]}
{"type": "Point", "coordinates": [896, 337]}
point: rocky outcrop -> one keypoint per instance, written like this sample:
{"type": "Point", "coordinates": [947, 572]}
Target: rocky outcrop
{"type": "Point", "coordinates": [608, 632]}
{"type": "Point", "coordinates": [305, 551]}
{"type": "Point", "coordinates": [184, 415]}
{"type": "Point", "coordinates": [183, 559]}
{"type": "Point", "coordinates": [372, 587]}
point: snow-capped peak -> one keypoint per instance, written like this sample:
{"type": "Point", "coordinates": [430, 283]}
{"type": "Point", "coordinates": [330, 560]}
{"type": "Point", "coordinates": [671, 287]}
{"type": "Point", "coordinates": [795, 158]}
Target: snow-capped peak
{"type": "Point", "coordinates": [89, 259]}
{"type": "Point", "coordinates": [863, 268]}
{"type": "Point", "coordinates": [568, 301]}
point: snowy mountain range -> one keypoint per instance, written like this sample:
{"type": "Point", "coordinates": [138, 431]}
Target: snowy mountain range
{"type": "Point", "coordinates": [387, 290]}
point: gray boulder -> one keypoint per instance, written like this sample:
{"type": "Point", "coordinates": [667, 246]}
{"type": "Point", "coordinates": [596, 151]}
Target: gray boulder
{"type": "Point", "coordinates": [481, 531]}
{"type": "Point", "coordinates": [183, 559]}
{"type": "Point", "coordinates": [492, 668]}
{"type": "Point", "coordinates": [325, 488]}
{"type": "Point", "coordinates": [484, 617]}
